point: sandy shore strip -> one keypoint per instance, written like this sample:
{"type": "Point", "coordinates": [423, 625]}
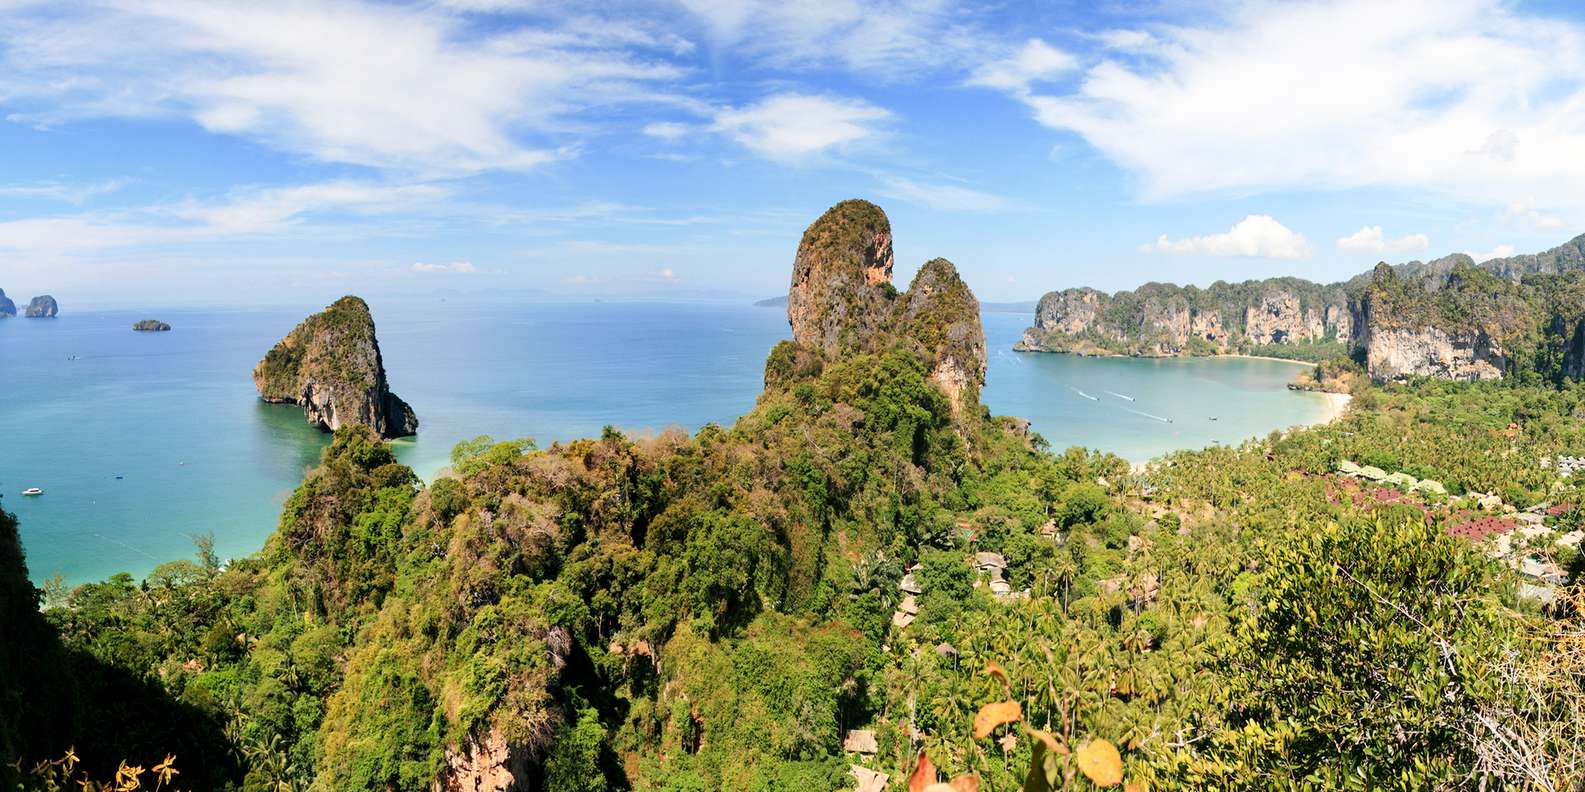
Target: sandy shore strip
{"type": "Point", "coordinates": [1336, 405]}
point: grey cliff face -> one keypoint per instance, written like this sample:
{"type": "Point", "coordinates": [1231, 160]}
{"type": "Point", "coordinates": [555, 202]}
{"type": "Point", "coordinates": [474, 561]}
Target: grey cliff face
{"type": "Point", "coordinates": [841, 282]}
{"type": "Point", "coordinates": [43, 307]}
{"type": "Point", "coordinates": [1162, 320]}
{"type": "Point", "coordinates": [943, 316]}
{"type": "Point", "coordinates": [330, 365]}
{"type": "Point", "coordinates": [1399, 354]}
{"type": "Point", "coordinates": [7, 308]}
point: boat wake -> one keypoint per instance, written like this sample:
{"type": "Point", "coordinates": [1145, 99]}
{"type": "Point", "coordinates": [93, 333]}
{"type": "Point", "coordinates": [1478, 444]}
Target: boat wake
{"type": "Point", "coordinates": [1148, 415]}
{"type": "Point", "coordinates": [1082, 393]}
{"type": "Point", "coordinates": [1119, 395]}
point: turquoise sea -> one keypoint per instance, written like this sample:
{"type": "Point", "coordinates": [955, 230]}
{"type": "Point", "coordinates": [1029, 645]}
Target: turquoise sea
{"type": "Point", "coordinates": [141, 440]}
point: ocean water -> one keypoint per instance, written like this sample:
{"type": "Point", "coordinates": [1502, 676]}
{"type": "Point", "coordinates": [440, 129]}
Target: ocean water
{"type": "Point", "coordinates": [141, 440]}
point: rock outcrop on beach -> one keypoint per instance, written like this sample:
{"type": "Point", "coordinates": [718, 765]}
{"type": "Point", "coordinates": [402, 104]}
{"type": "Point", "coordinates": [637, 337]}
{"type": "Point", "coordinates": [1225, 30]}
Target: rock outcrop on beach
{"type": "Point", "coordinates": [7, 307]}
{"type": "Point", "coordinates": [842, 302]}
{"type": "Point", "coordinates": [1449, 318]}
{"type": "Point", "coordinates": [42, 307]}
{"type": "Point", "coordinates": [330, 365]}
{"type": "Point", "coordinates": [151, 326]}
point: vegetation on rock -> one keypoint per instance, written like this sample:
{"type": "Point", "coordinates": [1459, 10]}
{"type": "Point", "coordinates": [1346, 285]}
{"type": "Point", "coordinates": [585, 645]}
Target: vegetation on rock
{"type": "Point", "coordinates": [330, 365]}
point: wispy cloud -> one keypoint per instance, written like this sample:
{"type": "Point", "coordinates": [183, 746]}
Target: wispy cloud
{"type": "Point", "coordinates": [1036, 61]}
{"type": "Point", "coordinates": [452, 268]}
{"type": "Point", "coordinates": [1372, 238]}
{"type": "Point", "coordinates": [62, 191]}
{"type": "Point", "coordinates": [793, 127]}
{"type": "Point", "coordinates": [1501, 251]}
{"type": "Point", "coordinates": [405, 87]}
{"type": "Point", "coordinates": [889, 39]}
{"type": "Point", "coordinates": [943, 197]}
{"type": "Point", "coordinates": [1480, 100]}
{"type": "Point", "coordinates": [1256, 236]}
{"type": "Point", "coordinates": [246, 213]}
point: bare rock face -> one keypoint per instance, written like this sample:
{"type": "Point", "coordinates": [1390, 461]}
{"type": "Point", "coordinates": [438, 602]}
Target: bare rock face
{"type": "Point", "coordinates": [7, 308]}
{"type": "Point", "coordinates": [1164, 320]}
{"type": "Point", "coordinates": [1276, 316]}
{"type": "Point", "coordinates": [842, 302]}
{"type": "Point", "coordinates": [43, 307]}
{"type": "Point", "coordinates": [1402, 353]}
{"type": "Point", "coordinates": [841, 282]}
{"type": "Point", "coordinates": [484, 764]}
{"type": "Point", "coordinates": [1071, 311]}
{"type": "Point", "coordinates": [941, 314]}
{"type": "Point", "coordinates": [1208, 325]}
{"type": "Point", "coordinates": [330, 365]}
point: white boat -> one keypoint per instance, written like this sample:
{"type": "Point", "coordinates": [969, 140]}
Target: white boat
{"type": "Point", "coordinates": [32, 491]}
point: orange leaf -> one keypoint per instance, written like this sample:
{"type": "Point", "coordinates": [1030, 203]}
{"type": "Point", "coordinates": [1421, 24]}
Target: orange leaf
{"type": "Point", "coordinates": [995, 714]}
{"type": "Point", "coordinates": [965, 783]}
{"type": "Point", "coordinates": [1052, 743]}
{"type": "Point", "coordinates": [924, 774]}
{"type": "Point", "coordinates": [1134, 786]}
{"type": "Point", "coordinates": [997, 671]}
{"type": "Point", "coordinates": [1099, 760]}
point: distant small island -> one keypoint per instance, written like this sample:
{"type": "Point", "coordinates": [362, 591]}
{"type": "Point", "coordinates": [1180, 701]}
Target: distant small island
{"type": "Point", "coordinates": [151, 326]}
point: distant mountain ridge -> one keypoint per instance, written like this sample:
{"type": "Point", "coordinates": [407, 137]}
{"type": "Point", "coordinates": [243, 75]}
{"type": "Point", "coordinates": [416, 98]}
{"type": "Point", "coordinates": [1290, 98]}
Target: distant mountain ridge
{"type": "Point", "coordinates": [1449, 318]}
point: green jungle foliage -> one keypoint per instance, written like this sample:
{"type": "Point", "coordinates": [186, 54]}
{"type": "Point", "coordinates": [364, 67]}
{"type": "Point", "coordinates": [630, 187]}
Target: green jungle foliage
{"type": "Point", "coordinates": [717, 611]}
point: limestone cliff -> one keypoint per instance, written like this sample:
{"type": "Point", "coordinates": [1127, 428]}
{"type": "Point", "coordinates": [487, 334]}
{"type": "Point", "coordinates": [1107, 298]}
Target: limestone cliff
{"type": "Point", "coordinates": [842, 301]}
{"type": "Point", "coordinates": [43, 307]}
{"type": "Point", "coordinates": [1448, 318]}
{"type": "Point", "coordinates": [941, 315]}
{"type": "Point", "coordinates": [842, 279]}
{"type": "Point", "coordinates": [7, 307]}
{"type": "Point", "coordinates": [1163, 320]}
{"type": "Point", "coordinates": [331, 366]}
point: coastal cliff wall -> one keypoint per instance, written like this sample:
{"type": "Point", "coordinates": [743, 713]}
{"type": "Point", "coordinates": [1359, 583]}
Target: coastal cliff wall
{"type": "Point", "coordinates": [7, 307]}
{"type": "Point", "coordinates": [1164, 320]}
{"type": "Point", "coordinates": [1449, 318]}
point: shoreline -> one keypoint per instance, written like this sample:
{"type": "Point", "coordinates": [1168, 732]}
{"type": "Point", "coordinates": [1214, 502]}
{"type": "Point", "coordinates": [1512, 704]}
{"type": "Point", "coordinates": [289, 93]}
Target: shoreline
{"type": "Point", "coordinates": [1336, 406]}
{"type": "Point", "coordinates": [1019, 348]}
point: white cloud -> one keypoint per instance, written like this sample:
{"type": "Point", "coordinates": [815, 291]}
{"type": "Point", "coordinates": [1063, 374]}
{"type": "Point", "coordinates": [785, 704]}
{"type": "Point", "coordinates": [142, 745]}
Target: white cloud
{"type": "Point", "coordinates": [878, 38]}
{"type": "Point", "coordinates": [453, 268]}
{"type": "Point", "coordinates": [667, 274]}
{"type": "Point", "coordinates": [793, 126]}
{"type": "Point", "coordinates": [667, 130]}
{"type": "Point", "coordinates": [1035, 62]}
{"type": "Point", "coordinates": [942, 197]}
{"type": "Point", "coordinates": [1256, 236]}
{"type": "Point", "coordinates": [1479, 100]}
{"type": "Point", "coordinates": [1501, 251]}
{"type": "Point", "coordinates": [245, 214]}
{"type": "Point", "coordinates": [1372, 238]}
{"type": "Point", "coordinates": [391, 86]}
{"type": "Point", "coordinates": [58, 191]}
{"type": "Point", "coordinates": [1526, 211]}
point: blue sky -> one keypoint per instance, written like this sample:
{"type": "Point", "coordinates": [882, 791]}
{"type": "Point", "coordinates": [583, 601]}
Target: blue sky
{"type": "Point", "coordinates": [216, 153]}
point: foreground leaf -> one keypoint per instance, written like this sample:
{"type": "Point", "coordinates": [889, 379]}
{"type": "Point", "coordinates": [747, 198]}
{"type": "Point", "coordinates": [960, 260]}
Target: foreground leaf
{"type": "Point", "coordinates": [995, 714]}
{"type": "Point", "coordinates": [1099, 761]}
